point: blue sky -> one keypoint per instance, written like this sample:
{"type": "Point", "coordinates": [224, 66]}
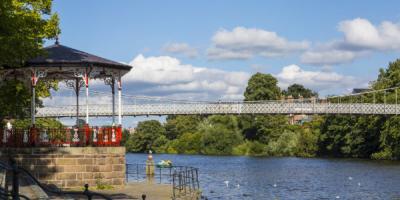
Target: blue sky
{"type": "Point", "coordinates": [208, 49]}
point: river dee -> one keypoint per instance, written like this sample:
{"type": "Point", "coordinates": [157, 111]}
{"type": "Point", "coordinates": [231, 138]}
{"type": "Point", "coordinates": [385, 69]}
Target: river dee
{"type": "Point", "coordinates": [239, 177]}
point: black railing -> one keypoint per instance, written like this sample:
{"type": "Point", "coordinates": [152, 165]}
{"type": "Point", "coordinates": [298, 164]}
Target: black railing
{"type": "Point", "coordinates": [184, 180]}
{"type": "Point", "coordinates": [16, 171]}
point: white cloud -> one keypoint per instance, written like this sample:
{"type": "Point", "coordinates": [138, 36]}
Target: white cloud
{"type": "Point", "coordinates": [180, 48]}
{"type": "Point", "coordinates": [244, 43]}
{"type": "Point", "coordinates": [320, 81]}
{"type": "Point", "coordinates": [167, 76]}
{"type": "Point", "coordinates": [360, 38]}
{"type": "Point", "coordinates": [363, 34]}
{"type": "Point", "coordinates": [328, 57]}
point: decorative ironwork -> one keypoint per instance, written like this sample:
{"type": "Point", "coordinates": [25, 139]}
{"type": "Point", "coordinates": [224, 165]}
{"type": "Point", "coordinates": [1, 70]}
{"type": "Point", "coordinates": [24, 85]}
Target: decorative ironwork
{"type": "Point", "coordinates": [109, 81]}
{"type": "Point", "coordinates": [227, 108]}
{"type": "Point", "coordinates": [95, 131]}
{"type": "Point", "coordinates": [44, 137]}
{"type": "Point", "coordinates": [72, 84]}
{"type": "Point", "coordinates": [25, 140]}
{"type": "Point", "coordinates": [113, 139]}
{"type": "Point", "coordinates": [76, 136]}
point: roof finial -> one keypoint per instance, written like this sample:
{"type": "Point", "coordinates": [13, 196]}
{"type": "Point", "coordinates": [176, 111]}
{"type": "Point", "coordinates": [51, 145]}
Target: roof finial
{"type": "Point", "coordinates": [57, 43]}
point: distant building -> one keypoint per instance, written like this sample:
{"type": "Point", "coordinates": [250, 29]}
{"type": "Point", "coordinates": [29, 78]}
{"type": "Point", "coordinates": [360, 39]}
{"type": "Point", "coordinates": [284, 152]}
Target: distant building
{"type": "Point", "coordinates": [299, 118]}
{"type": "Point", "coordinates": [131, 131]}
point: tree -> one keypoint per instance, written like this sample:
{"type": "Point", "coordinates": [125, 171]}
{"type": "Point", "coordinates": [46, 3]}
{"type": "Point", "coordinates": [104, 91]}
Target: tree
{"type": "Point", "coordinates": [178, 125]}
{"type": "Point", "coordinates": [24, 25]}
{"type": "Point", "coordinates": [262, 87]}
{"type": "Point", "coordinates": [297, 90]}
{"type": "Point", "coordinates": [219, 135]}
{"type": "Point", "coordinates": [146, 135]}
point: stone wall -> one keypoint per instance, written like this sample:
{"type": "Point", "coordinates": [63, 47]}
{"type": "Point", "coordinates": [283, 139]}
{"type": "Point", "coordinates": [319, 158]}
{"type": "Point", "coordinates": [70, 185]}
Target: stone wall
{"type": "Point", "coordinates": [70, 167]}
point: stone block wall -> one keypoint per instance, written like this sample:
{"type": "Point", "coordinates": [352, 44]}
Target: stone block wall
{"type": "Point", "coordinates": [71, 167]}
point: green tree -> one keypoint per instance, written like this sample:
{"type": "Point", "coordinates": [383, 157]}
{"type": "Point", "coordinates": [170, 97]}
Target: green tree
{"type": "Point", "coordinates": [262, 87]}
{"type": "Point", "coordinates": [189, 143]}
{"type": "Point", "coordinates": [297, 90]}
{"type": "Point", "coordinates": [145, 136]}
{"type": "Point", "coordinates": [178, 125]}
{"type": "Point", "coordinates": [15, 98]}
{"type": "Point", "coordinates": [219, 135]}
{"type": "Point", "coordinates": [24, 25]}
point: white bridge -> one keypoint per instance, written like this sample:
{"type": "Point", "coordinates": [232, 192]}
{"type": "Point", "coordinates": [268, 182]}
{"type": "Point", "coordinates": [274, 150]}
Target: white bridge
{"type": "Point", "coordinates": [237, 108]}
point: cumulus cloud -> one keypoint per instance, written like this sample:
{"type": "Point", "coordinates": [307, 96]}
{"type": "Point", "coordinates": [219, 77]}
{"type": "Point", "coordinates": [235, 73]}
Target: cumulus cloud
{"type": "Point", "coordinates": [180, 48]}
{"type": "Point", "coordinates": [320, 81]}
{"type": "Point", "coordinates": [244, 43]}
{"type": "Point", "coordinates": [360, 38]}
{"type": "Point", "coordinates": [328, 57]}
{"type": "Point", "coordinates": [167, 76]}
{"type": "Point", "coordinates": [363, 34]}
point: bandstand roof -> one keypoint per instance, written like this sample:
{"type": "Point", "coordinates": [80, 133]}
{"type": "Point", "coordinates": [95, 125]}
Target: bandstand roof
{"type": "Point", "coordinates": [62, 62]}
{"type": "Point", "coordinates": [59, 55]}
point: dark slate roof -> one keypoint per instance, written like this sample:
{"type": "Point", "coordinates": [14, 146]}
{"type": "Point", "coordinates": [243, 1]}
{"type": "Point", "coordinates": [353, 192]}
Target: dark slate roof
{"type": "Point", "coordinates": [59, 55]}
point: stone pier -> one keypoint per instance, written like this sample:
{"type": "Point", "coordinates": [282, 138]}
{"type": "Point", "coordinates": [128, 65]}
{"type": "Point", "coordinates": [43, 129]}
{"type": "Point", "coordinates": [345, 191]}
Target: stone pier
{"type": "Point", "coordinates": [71, 167]}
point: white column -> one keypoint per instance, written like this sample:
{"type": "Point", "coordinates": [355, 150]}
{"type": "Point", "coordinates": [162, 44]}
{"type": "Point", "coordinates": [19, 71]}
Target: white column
{"type": "Point", "coordinates": [33, 104]}
{"type": "Point", "coordinates": [119, 101]}
{"type": "Point", "coordinates": [34, 80]}
{"type": "Point", "coordinates": [87, 96]}
{"type": "Point", "coordinates": [113, 99]}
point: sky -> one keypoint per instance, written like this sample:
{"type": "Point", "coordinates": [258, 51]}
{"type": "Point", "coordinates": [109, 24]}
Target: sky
{"type": "Point", "coordinates": [207, 50]}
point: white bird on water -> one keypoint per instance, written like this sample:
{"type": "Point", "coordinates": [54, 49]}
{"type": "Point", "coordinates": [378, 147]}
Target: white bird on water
{"type": "Point", "coordinates": [274, 185]}
{"type": "Point", "coordinates": [226, 183]}
{"type": "Point", "coordinates": [238, 186]}
{"type": "Point", "coordinates": [350, 178]}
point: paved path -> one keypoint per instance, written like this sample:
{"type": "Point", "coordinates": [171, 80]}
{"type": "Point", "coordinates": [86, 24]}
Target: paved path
{"type": "Point", "coordinates": [135, 190]}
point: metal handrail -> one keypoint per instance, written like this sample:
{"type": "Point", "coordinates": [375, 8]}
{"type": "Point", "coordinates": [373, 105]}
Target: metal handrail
{"type": "Point", "coordinates": [184, 179]}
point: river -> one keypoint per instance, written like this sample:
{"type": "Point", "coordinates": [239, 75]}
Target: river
{"type": "Point", "coordinates": [241, 177]}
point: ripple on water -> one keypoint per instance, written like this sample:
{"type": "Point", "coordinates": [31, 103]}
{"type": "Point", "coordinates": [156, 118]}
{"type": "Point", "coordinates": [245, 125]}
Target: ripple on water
{"type": "Point", "coordinates": [295, 178]}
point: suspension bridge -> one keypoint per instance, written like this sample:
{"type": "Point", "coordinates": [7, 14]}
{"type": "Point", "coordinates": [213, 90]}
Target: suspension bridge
{"type": "Point", "coordinates": [145, 106]}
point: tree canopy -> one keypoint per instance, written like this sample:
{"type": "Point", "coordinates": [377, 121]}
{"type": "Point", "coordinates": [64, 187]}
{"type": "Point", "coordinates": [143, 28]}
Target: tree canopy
{"type": "Point", "coordinates": [297, 90]}
{"type": "Point", "coordinates": [262, 87]}
{"type": "Point", "coordinates": [24, 25]}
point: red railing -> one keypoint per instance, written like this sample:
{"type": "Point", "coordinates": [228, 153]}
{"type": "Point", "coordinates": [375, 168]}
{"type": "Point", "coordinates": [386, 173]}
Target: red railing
{"type": "Point", "coordinates": [61, 137]}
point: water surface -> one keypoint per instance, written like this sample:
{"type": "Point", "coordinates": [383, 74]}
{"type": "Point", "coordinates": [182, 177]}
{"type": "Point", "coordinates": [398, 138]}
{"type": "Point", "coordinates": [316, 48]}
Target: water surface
{"type": "Point", "coordinates": [289, 178]}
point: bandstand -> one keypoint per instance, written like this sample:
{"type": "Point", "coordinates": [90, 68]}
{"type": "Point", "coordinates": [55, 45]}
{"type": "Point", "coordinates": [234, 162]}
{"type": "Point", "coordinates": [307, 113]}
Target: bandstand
{"type": "Point", "coordinates": [69, 156]}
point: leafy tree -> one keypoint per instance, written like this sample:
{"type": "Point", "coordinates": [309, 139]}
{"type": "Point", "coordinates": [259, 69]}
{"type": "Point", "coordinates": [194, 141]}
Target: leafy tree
{"type": "Point", "coordinates": [297, 90]}
{"type": "Point", "coordinates": [308, 138]}
{"type": "Point", "coordinates": [178, 125]}
{"type": "Point", "coordinates": [146, 135]}
{"type": "Point", "coordinates": [15, 98]}
{"type": "Point", "coordinates": [189, 143]}
{"type": "Point", "coordinates": [24, 26]}
{"type": "Point", "coordinates": [219, 135]}
{"type": "Point", "coordinates": [263, 128]}
{"type": "Point", "coordinates": [262, 87]}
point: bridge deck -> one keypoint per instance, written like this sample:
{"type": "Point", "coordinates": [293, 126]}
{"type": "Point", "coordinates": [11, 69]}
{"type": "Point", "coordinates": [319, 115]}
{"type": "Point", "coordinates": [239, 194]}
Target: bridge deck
{"type": "Point", "coordinates": [226, 108]}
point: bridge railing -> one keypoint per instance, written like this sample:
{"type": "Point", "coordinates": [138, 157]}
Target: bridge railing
{"type": "Point", "coordinates": [268, 107]}
{"type": "Point", "coordinates": [60, 137]}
